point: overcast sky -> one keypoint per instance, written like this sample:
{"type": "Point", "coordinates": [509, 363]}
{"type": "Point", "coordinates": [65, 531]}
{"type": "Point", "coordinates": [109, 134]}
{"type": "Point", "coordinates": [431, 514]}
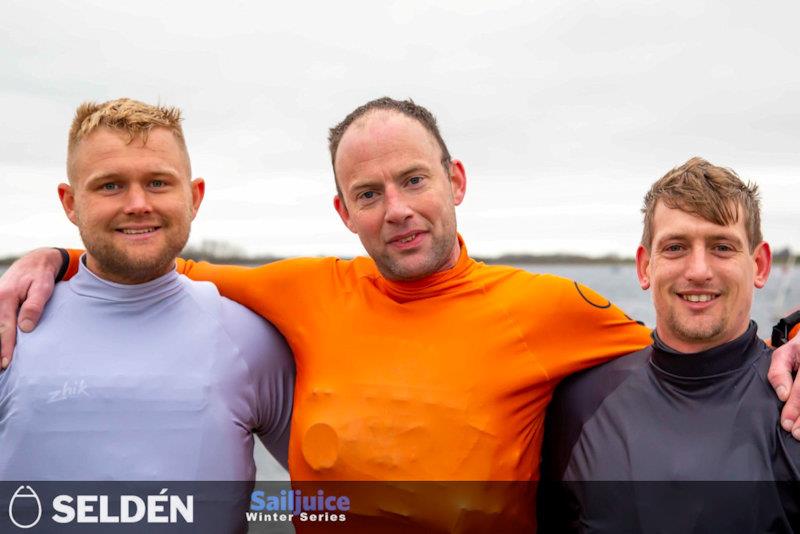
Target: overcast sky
{"type": "Point", "coordinates": [562, 112]}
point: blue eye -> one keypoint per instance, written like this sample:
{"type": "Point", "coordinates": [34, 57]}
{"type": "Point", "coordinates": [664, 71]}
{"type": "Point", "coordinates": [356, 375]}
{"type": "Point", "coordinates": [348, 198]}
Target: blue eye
{"type": "Point", "coordinates": [414, 180]}
{"type": "Point", "coordinates": [158, 183]}
{"type": "Point", "coordinates": [109, 186]}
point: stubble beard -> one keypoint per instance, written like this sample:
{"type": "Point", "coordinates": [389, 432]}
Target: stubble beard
{"type": "Point", "coordinates": [695, 330]}
{"type": "Point", "coordinates": [394, 268]}
{"type": "Point", "coordinates": [126, 267]}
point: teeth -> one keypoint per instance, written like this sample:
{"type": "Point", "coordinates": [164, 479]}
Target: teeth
{"type": "Point", "coordinates": [137, 231]}
{"type": "Point", "coordinates": [698, 298]}
{"type": "Point", "coordinates": [407, 239]}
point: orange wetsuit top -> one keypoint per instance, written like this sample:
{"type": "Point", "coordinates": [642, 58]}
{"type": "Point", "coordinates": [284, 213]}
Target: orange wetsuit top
{"type": "Point", "coordinates": [446, 378]}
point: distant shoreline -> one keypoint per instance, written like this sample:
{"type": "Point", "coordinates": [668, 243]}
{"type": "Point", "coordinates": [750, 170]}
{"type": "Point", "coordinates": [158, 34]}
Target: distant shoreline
{"type": "Point", "coordinates": [778, 257]}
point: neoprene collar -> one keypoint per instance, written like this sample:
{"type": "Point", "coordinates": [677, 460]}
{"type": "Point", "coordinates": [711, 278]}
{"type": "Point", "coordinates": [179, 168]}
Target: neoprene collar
{"type": "Point", "coordinates": [432, 285]}
{"type": "Point", "coordinates": [88, 284]}
{"type": "Point", "coordinates": [722, 359]}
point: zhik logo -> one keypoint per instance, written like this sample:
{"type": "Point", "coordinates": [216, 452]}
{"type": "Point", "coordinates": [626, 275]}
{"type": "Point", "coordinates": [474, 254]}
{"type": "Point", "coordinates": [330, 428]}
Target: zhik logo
{"type": "Point", "coordinates": [23, 496]}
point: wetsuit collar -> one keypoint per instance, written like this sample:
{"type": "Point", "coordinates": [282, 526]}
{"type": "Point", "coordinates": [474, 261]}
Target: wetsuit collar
{"type": "Point", "coordinates": [717, 360]}
{"type": "Point", "coordinates": [88, 284]}
{"type": "Point", "coordinates": [430, 285]}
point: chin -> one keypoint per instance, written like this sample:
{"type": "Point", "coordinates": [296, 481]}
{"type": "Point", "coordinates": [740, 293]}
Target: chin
{"type": "Point", "coordinates": [701, 334]}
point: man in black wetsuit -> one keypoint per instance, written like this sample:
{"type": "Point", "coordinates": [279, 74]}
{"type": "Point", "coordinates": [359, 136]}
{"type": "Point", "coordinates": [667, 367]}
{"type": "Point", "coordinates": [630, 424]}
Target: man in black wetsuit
{"type": "Point", "coordinates": [682, 436]}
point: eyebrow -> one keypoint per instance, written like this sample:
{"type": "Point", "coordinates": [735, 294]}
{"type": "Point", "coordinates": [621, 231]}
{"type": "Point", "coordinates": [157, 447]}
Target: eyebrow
{"type": "Point", "coordinates": [414, 168]}
{"type": "Point", "coordinates": [726, 237]}
{"type": "Point", "coordinates": [367, 183]}
{"type": "Point", "coordinates": [164, 171]}
{"type": "Point", "coordinates": [361, 185]}
{"type": "Point", "coordinates": [714, 237]}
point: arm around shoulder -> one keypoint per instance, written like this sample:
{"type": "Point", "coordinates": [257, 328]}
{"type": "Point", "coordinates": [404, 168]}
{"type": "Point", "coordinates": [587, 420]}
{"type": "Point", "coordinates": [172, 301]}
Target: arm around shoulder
{"type": "Point", "coordinates": [277, 291]}
{"type": "Point", "coordinates": [25, 288]}
{"type": "Point", "coordinates": [576, 327]}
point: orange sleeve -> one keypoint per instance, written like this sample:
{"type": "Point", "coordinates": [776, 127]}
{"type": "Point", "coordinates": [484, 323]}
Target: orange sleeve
{"type": "Point", "coordinates": [274, 291]}
{"type": "Point", "coordinates": [279, 291]}
{"type": "Point", "coordinates": [792, 332]}
{"type": "Point", "coordinates": [74, 261]}
{"type": "Point", "coordinates": [249, 286]}
{"type": "Point", "coordinates": [583, 328]}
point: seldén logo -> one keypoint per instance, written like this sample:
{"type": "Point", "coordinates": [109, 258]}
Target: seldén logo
{"type": "Point", "coordinates": [20, 508]}
{"type": "Point", "coordinates": [25, 508]}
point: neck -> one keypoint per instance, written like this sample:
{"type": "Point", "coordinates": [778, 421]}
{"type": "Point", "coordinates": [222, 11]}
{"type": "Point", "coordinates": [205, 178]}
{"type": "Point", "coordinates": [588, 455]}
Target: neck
{"type": "Point", "coordinates": [455, 253]}
{"type": "Point", "coordinates": [127, 278]}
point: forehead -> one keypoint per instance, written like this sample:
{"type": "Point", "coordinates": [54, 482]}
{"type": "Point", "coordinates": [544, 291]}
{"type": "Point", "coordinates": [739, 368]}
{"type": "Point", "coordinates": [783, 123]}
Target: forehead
{"type": "Point", "coordinates": [112, 151]}
{"type": "Point", "coordinates": [382, 137]}
{"type": "Point", "coordinates": [670, 222]}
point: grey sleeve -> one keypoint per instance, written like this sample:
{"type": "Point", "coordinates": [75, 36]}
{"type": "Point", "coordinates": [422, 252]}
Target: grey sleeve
{"type": "Point", "coordinates": [272, 374]}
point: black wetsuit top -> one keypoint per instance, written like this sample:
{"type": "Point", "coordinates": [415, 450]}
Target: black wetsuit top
{"type": "Point", "coordinates": [660, 441]}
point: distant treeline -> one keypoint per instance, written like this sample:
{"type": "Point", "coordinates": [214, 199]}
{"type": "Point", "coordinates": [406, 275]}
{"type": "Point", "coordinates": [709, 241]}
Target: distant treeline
{"type": "Point", "coordinates": [216, 253]}
{"type": "Point", "coordinates": [609, 259]}
{"type": "Point", "coordinates": [504, 259]}
{"type": "Point", "coordinates": [779, 257]}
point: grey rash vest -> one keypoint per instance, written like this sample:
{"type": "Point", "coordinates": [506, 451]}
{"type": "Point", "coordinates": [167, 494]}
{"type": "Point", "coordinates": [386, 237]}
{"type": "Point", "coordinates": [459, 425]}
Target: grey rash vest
{"type": "Point", "coordinates": [165, 380]}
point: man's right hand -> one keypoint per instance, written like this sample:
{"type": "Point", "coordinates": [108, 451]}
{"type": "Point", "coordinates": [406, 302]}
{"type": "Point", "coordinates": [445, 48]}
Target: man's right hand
{"type": "Point", "coordinates": [25, 287]}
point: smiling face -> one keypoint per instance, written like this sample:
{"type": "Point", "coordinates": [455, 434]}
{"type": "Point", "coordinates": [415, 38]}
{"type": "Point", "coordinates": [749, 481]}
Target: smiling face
{"type": "Point", "coordinates": [702, 275]}
{"type": "Point", "coordinates": [397, 195]}
{"type": "Point", "coordinates": [132, 202]}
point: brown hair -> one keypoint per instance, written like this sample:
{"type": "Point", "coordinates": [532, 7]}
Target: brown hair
{"type": "Point", "coordinates": [131, 116]}
{"type": "Point", "coordinates": [707, 191]}
{"type": "Point", "coordinates": [404, 107]}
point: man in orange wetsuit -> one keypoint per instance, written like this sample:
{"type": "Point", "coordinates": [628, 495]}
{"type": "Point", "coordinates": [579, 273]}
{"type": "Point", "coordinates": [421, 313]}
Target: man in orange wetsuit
{"type": "Point", "coordinates": [419, 363]}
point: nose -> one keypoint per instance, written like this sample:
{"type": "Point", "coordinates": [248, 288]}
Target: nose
{"type": "Point", "coordinates": [137, 201]}
{"type": "Point", "coordinates": [698, 269]}
{"type": "Point", "coordinates": [398, 209]}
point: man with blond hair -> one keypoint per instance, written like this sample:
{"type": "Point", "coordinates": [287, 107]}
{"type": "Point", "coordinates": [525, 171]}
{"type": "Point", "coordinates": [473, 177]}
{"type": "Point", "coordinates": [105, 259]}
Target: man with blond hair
{"type": "Point", "coordinates": [696, 404]}
{"type": "Point", "coordinates": [135, 372]}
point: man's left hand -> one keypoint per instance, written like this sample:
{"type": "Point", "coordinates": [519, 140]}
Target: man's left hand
{"type": "Point", "coordinates": [786, 362]}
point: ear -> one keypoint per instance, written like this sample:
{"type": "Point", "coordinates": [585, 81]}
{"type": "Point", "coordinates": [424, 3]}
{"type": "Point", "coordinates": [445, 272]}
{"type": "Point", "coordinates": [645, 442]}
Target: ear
{"type": "Point", "coordinates": [341, 209]}
{"type": "Point", "coordinates": [198, 186]}
{"type": "Point", "coordinates": [458, 181]}
{"type": "Point", "coordinates": [762, 256]}
{"type": "Point", "coordinates": [643, 267]}
{"type": "Point", "coordinates": [67, 197]}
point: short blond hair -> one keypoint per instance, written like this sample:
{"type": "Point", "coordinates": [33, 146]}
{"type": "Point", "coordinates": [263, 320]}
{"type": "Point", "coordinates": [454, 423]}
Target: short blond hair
{"type": "Point", "coordinates": [713, 193]}
{"type": "Point", "coordinates": [127, 115]}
